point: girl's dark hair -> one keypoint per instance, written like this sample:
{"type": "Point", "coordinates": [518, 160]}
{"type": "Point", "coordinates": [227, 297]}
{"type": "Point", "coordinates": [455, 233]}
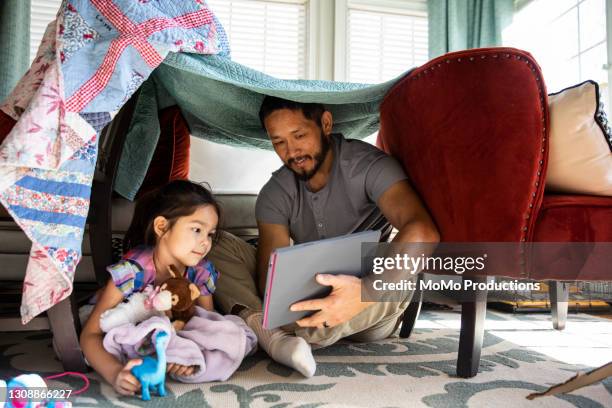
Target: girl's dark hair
{"type": "Point", "coordinates": [176, 199]}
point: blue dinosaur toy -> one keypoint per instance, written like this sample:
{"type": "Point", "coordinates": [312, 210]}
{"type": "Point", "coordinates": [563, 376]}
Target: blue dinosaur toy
{"type": "Point", "coordinates": [152, 372]}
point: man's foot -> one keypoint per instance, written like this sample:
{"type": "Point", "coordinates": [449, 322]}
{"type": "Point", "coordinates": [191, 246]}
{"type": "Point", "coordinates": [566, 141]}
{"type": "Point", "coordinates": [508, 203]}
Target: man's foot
{"type": "Point", "coordinates": [281, 346]}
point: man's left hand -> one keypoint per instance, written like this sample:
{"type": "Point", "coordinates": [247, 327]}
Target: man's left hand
{"type": "Point", "coordinates": [342, 304]}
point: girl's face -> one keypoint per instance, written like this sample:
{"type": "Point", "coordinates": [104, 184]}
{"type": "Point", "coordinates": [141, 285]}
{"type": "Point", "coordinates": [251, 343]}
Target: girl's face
{"type": "Point", "coordinates": [190, 238]}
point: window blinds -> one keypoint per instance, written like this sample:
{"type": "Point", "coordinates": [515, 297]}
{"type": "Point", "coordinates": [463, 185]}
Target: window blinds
{"type": "Point", "coordinates": [385, 38]}
{"type": "Point", "coordinates": [269, 36]}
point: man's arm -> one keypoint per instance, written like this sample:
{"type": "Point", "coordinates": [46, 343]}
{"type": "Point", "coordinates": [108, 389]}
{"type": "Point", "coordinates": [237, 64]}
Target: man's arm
{"type": "Point", "coordinates": [404, 210]}
{"type": "Point", "coordinates": [271, 236]}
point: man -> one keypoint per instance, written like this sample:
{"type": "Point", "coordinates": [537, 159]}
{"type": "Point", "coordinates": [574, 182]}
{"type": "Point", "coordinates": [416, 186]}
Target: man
{"type": "Point", "coordinates": [328, 186]}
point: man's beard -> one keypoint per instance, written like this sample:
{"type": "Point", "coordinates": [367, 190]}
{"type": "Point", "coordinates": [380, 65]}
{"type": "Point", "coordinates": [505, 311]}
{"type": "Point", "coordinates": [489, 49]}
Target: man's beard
{"type": "Point", "coordinates": [318, 159]}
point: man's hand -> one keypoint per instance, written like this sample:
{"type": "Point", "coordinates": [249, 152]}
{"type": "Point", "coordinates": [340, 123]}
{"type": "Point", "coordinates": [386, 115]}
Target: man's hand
{"type": "Point", "coordinates": [342, 304]}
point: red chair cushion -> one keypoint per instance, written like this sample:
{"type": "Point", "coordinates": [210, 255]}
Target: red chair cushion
{"type": "Point", "coordinates": [574, 218]}
{"type": "Point", "coordinates": [6, 124]}
{"type": "Point", "coordinates": [171, 157]}
{"type": "Point", "coordinates": [577, 232]}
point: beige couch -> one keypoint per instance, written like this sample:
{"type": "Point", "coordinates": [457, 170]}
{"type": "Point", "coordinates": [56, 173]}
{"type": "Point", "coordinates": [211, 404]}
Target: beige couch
{"type": "Point", "coordinates": [238, 218]}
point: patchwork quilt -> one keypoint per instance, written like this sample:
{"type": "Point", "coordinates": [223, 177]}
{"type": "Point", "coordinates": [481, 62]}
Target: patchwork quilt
{"type": "Point", "coordinates": [92, 58]}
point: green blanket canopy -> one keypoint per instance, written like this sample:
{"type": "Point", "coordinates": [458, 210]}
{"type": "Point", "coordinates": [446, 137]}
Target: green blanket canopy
{"type": "Point", "coordinates": [220, 100]}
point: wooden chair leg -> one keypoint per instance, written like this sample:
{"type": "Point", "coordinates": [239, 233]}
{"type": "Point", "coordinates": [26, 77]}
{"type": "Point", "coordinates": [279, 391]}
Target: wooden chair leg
{"type": "Point", "coordinates": [473, 313]}
{"type": "Point", "coordinates": [411, 314]}
{"type": "Point", "coordinates": [559, 297]}
{"type": "Point", "coordinates": [65, 326]}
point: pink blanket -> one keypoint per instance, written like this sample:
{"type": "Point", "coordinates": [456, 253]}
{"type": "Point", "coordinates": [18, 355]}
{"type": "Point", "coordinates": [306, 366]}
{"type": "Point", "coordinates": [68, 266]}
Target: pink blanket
{"type": "Point", "coordinates": [214, 343]}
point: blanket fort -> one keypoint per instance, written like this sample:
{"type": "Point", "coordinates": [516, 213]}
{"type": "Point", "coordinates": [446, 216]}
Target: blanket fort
{"type": "Point", "coordinates": [92, 58]}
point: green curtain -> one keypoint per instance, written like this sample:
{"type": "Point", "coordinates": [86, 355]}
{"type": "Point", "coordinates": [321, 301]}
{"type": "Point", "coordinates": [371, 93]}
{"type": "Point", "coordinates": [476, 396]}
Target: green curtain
{"type": "Point", "coordinates": [462, 24]}
{"type": "Point", "coordinates": [15, 40]}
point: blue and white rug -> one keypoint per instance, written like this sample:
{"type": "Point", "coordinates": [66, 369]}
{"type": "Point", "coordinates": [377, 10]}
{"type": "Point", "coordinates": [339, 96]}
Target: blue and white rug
{"type": "Point", "coordinates": [522, 354]}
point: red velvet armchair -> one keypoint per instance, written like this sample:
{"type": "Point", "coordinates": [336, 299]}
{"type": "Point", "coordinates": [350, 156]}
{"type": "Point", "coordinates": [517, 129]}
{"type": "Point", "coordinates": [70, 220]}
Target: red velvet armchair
{"type": "Point", "coordinates": [471, 130]}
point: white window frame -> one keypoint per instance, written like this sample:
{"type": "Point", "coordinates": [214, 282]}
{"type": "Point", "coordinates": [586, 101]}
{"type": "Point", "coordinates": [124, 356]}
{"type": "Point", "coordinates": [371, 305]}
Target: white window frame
{"type": "Point", "coordinates": [396, 7]}
{"type": "Point", "coordinates": [519, 4]}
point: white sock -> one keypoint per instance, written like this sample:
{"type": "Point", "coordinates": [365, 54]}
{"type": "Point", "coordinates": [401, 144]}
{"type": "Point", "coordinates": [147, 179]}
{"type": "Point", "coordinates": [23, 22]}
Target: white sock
{"type": "Point", "coordinates": [282, 347]}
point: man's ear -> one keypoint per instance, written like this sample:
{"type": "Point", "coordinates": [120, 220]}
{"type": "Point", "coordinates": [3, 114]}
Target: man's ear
{"type": "Point", "coordinates": [195, 291]}
{"type": "Point", "coordinates": [160, 225]}
{"type": "Point", "coordinates": [327, 122]}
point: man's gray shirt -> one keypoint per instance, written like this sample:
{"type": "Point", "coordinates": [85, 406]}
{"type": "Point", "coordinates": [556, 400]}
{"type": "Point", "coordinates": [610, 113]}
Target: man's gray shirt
{"type": "Point", "coordinates": [360, 174]}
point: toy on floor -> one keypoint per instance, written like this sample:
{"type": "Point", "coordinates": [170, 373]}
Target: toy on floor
{"type": "Point", "coordinates": [139, 307]}
{"type": "Point", "coordinates": [31, 391]}
{"type": "Point", "coordinates": [184, 295]}
{"type": "Point", "coordinates": [152, 372]}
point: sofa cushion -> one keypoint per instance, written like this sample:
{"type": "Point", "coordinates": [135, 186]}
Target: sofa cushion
{"type": "Point", "coordinates": [237, 214]}
{"type": "Point", "coordinates": [238, 217]}
{"type": "Point", "coordinates": [580, 158]}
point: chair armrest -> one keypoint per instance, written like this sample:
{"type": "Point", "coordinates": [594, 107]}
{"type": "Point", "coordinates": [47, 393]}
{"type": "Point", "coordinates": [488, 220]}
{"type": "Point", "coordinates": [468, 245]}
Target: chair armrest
{"type": "Point", "coordinates": [470, 129]}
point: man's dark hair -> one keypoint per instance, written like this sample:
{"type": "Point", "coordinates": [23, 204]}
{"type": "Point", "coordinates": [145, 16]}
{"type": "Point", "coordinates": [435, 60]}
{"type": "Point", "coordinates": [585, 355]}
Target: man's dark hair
{"type": "Point", "coordinates": [312, 111]}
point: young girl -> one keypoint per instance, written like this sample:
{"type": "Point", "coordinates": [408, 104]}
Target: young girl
{"type": "Point", "coordinates": [173, 227]}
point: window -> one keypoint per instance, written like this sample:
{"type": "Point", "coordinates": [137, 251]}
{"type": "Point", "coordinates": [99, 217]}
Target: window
{"type": "Point", "coordinates": [567, 38]}
{"type": "Point", "coordinates": [42, 13]}
{"type": "Point", "coordinates": [269, 36]}
{"type": "Point", "coordinates": [231, 169]}
{"type": "Point", "coordinates": [383, 39]}
{"type": "Point", "coordinates": [379, 40]}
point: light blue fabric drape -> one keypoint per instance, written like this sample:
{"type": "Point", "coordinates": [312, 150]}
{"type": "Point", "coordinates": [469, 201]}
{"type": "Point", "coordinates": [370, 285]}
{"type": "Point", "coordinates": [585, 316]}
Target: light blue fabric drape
{"type": "Point", "coordinates": [220, 100]}
{"type": "Point", "coordinates": [462, 24]}
{"type": "Point", "coordinates": [14, 43]}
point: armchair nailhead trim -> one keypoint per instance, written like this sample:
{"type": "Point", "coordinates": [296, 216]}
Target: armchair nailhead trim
{"type": "Point", "coordinates": [533, 68]}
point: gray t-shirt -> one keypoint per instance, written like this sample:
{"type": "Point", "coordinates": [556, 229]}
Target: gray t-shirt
{"type": "Point", "coordinates": [360, 174]}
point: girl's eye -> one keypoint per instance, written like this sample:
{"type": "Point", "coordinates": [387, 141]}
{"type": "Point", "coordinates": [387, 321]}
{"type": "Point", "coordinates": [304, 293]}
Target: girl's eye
{"type": "Point", "coordinates": [212, 234]}
{"type": "Point", "coordinates": [196, 230]}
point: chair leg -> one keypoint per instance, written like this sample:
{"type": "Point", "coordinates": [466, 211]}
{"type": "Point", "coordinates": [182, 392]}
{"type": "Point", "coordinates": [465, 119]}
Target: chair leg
{"type": "Point", "coordinates": [65, 326]}
{"type": "Point", "coordinates": [100, 235]}
{"type": "Point", "coordinates": [411, 314]}
{"type": "Point", "coordinates": [473, 313]}
{"type": "Point", "coordinates": [559, 297]}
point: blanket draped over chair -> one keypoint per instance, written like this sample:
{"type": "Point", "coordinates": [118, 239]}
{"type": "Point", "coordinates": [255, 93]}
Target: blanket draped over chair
{"type": "Point", "coordinates": [93, 57]}
{"type": "Point", "coordinates": [91, 60]}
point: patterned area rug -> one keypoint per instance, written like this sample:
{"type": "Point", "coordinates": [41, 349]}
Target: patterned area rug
{"type": "Point", "coordinates": [522, 354]}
